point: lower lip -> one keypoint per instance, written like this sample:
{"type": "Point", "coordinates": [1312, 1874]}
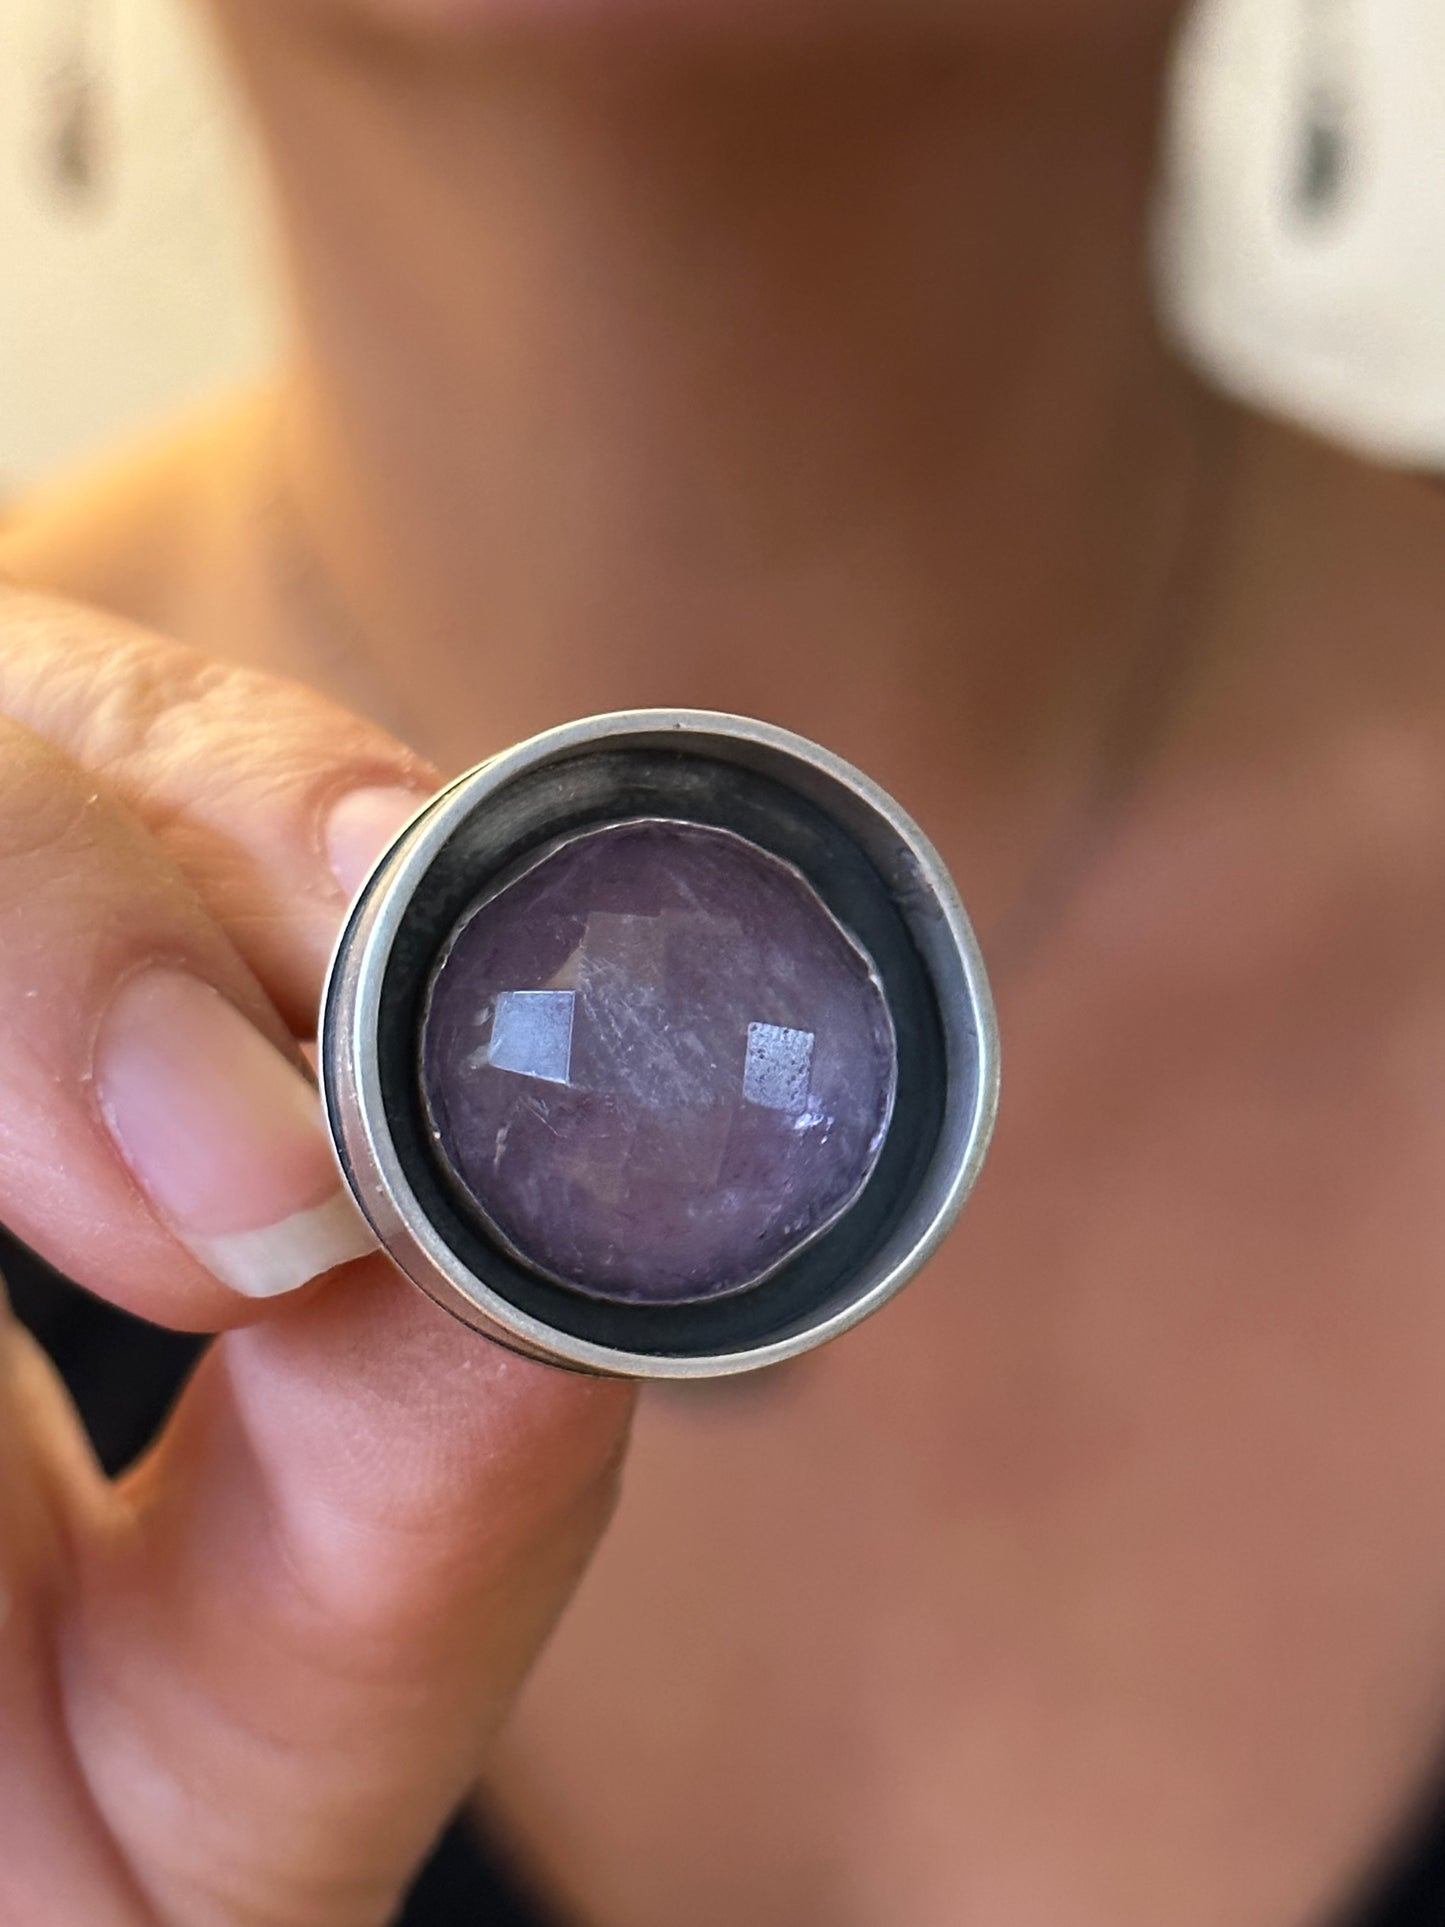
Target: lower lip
{"type": "Point", "coordinates": [769, 20]}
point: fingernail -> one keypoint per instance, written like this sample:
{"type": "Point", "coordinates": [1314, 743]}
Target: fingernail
{"type": "Point", "coordinates": [361, 826]}
{"type": "Point", "coordinates": [224, 1135]}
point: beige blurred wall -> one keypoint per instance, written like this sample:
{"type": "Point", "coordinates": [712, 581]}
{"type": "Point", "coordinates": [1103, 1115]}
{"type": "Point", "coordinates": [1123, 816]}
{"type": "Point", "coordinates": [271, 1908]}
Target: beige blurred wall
{"type": "Point", "coordinates": [115, 311]}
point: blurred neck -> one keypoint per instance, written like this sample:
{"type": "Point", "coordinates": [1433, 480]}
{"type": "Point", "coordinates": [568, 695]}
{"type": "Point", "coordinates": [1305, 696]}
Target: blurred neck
{"type": "Point", "coordinates": [820, 387]}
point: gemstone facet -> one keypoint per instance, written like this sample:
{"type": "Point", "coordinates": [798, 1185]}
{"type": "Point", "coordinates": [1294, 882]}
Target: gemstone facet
{"type": "Point", "coordinates": [655, 1064]}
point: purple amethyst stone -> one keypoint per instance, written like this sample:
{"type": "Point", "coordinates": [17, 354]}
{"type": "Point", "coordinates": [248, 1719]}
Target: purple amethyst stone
{"type": "Point", "coordinates": [656, 1064]}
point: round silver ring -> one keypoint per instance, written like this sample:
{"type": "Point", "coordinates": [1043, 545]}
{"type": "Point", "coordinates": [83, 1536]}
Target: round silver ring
{"type": "Point", "coordinates": [863, 854]}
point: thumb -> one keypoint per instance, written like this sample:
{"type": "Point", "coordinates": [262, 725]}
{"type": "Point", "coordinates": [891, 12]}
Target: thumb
{"type": "Point", "coordinates": [290, 1650]}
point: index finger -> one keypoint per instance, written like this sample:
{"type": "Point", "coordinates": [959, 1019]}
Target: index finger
{"type": "Point", "coordinates": [266, 796]}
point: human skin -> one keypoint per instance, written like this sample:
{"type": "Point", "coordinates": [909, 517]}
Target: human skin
{"type": "Point", "coordinates": [1100, 1579]}
{"type": "Point", "coordinates": [247, 1682]}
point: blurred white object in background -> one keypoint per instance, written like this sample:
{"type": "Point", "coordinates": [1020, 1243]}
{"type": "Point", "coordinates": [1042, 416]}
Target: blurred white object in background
{"type": "Point", "coordinates": [1302, 229]}
{"type": "Point", "coordinates": [121, 302]}
{"type": "Point", "coordinates": [1301, 240]}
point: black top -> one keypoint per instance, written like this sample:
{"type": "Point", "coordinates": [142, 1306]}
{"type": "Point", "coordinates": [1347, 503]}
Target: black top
{"type": "Point", "coordinates": [124, 1376]}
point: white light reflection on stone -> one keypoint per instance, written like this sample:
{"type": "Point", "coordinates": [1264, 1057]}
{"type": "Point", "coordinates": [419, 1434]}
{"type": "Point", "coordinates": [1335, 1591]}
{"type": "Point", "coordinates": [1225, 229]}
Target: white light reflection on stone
{"type": "Point", "coordinates": [777, 1067]}
{"type": "Point", "coordinates": [532, 1034]}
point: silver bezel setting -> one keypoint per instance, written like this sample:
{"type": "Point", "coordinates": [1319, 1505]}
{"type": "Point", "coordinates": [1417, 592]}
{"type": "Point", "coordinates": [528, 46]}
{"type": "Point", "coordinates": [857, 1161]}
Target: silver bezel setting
{"type": "Point", "coordinates": [845, 936]}
{"type": "Point", "coordinates": [921, 892]}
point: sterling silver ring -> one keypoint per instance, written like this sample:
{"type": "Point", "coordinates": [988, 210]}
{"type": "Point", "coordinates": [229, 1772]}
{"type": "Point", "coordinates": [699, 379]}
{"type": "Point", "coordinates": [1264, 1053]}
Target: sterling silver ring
{"type": "Point", "coordinates": [660, 1046]}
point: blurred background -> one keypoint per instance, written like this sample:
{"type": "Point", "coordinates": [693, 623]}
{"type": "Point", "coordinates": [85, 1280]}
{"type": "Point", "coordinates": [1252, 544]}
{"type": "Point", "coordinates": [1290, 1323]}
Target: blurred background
{"type": "Point", "coordinates": [1301, 232]}
{"type": "Point", "coordinates": [134, 278]}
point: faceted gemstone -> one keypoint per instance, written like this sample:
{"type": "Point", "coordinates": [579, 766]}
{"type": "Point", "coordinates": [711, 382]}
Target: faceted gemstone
{"type": "Point", "coordinates": [655, 1063]}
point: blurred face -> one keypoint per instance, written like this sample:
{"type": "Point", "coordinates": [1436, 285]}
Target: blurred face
{"type": "Point", "coordinates": [1022, 23]}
